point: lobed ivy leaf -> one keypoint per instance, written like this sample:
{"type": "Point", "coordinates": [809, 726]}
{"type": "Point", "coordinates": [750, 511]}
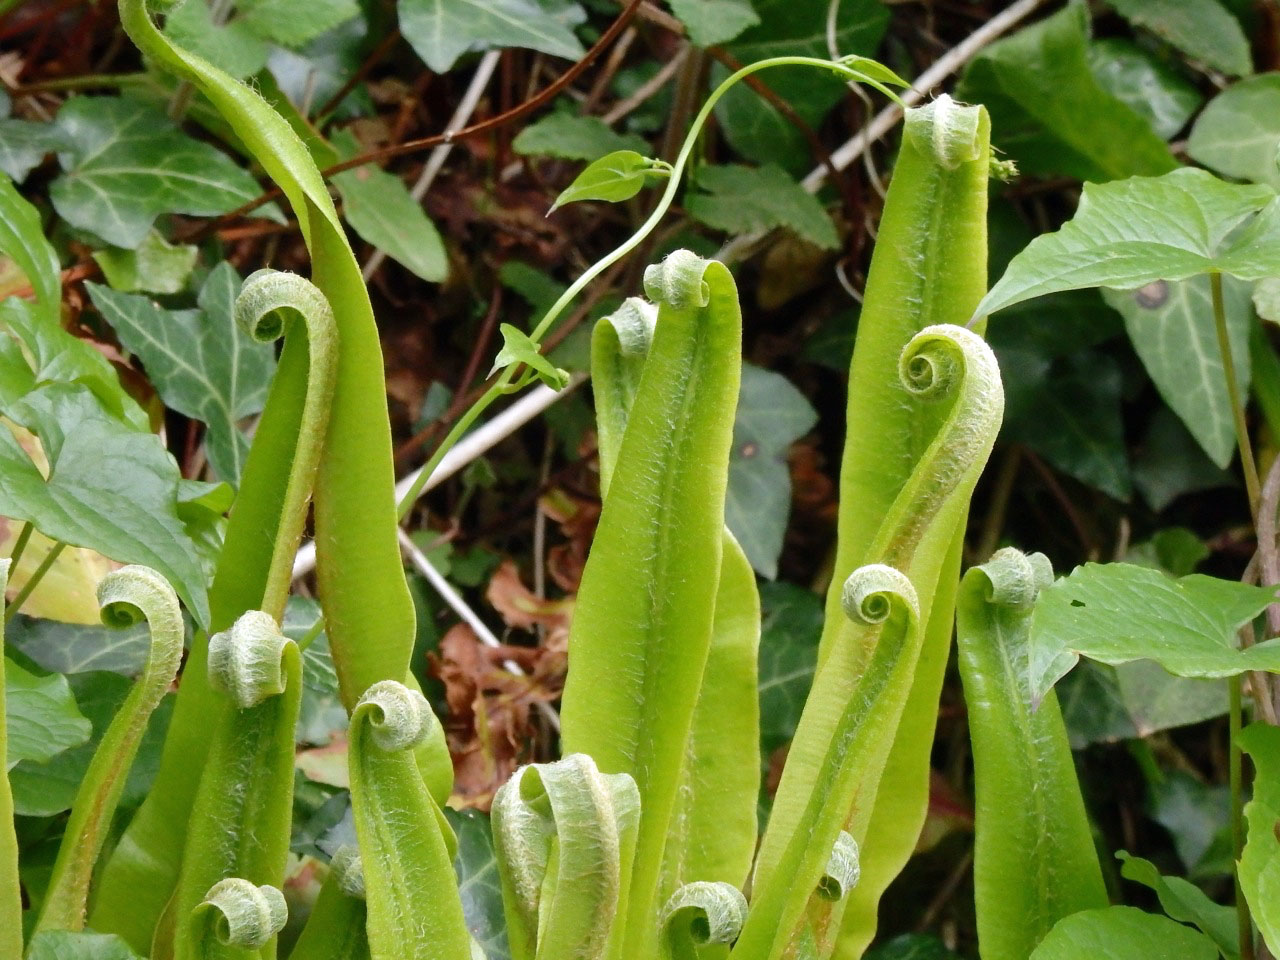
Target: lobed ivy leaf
{"type": "Point", "coordinates": [1238, 133]}
{"type": "Point", "coordinates": [1202, 29]}
{"type": "Point", "coordinates": [42, 716]}
{"type": "Point", "coordinates": [771, 415]}
{"type": "Point", "coordinates": [110, 488]}
{"type": "Point", "coordinates": [711, 22]}
{"type": "Point", "coordinates": [478, 882]}
{"type": "Point", "coordinates": [380, 209]}
{"type": "Point", "coordinates": [740, 199]}
{"type": "Point", "coordinates": [1171, 326]}
{"type": "Point", "coordinates": [441, 31]}
{"type": "Point", "coordinates": [1133, 232]}
{"type": "Point", "coordinates": [65, 945]}
{"type": "Point", "coordinates": [1259, 869]}
{"type": "Point", "coordinates": [1185, 902]}
{"type": "Point", "coordinates": [573, 137]}
{"type": "Point", "coordinates": [614, 177]}
{"type": "Point", "coordinates": [1048, 111]}
{"type": "Point", "coordinates": [1145, 83]}
{"type": "Point", "coordinates": [279, 22]}
{"type": "Point", "coordinates": [126, 163]}
{"type": "Point", "coordinates": [80, 647]}
{"type": "Point", "coordinates": [1104, 704]}
{"type": "Point", "coordinates": [1120, 612]}
{"type": "Point", "coordinates": [156, 266]}
{"type": "Point", "coordinates": [24, 144]}
{"type": "Point", "coordinates": [203, 365]}
{"type": "Point", "coordinates": [518, 348]}
{"type": "Point", "coordinates": [1123, 933]}
{"type": "Point", "coordinates": [233, 45]}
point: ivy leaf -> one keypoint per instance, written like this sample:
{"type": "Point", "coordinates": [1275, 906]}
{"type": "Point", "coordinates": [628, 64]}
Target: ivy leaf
{"type": "Point", "coordinates": [1145, 83]}
{"type": "Point", "coordinates": [772, 414]}
{"type": "Point", "coordinates": [1049, 113]}
{"type": "Point", "coordinates": [1133, 232]}
{"type": "Point", "coordinates": [754, 127]}
{"type": "Point", "coordinates": [740, 199]}
{"type": "Point", "coordinates": [380, 209]}
{"type": "Point", "coordinates": [572, 137]}
{"type": "Point", "coordinates": [443, 30]}
{"type": "Point", "coordinates": [321, 715]}
{"type": "Point", "coordinates": [1172, 329]}
{"type": "Point", "coordinates": [279, 22]}
{"type": "Point", "coordinates": [42, 716]}
{"type": "Point", "coordinates": [1238, 133]}
{"type": "Point", "coordinates": [478, 883]}
{"type": "Point", "coordinates": [912, 946]}
{"type": "Point", "coordinates": [203, 365]}
{"type": "Point", "coordinates": [614, 177]}
{"type": "Point", "coordinates": [235, 46]}
{"type": "Point", "coordinates": [126, 163]}
{"type": "Point", "coordinates": [1260, 864]}
{"type": "Point", "coordinates": [1202, 29]}
{"type": "Point", "coordinates": [1185, 902]}
{"type": "Point", "coordinates": [1119, 612]}
{"type": "Point", "coordinates": [711, 22]}
{"type": "Point", "coordinates": [78, 647]}
{"type": "Point", "coordinates": [1103, 704]}
{"type": "Point", "coordinates": [1169, 463]}
{"type": "Point", "coordinates": [789, 632]}
{"type": "Point", "coordinates": [24, 144]}
{"type": "Point", "coordinates": [110, 488]}
{"type": "Point", "coordinates": [65, 945]}
{"type": "Point", "coordinates": [518, 348]}
{"type": "Point", "coordinates": [1123, 933]}
{"type": "Point", "coordinates": [156, 266]}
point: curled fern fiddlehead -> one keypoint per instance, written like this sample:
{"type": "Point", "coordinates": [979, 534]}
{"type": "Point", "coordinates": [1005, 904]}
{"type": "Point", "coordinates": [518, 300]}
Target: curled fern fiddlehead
{"type": "Point", "coordinates": [126, 597]}
{"type": "Point", "coordinates": [236, 913]}
{"type": "Point", "coordinates": [871, 592]}
{"type": "Point", "coordinates": [398, 716]}
{"type": "Point", "coordinates": [841, 874]}
{"type": "Point", "coordinates": [701, 913]}
{"type": "Point", "coordinates": [347, 867]}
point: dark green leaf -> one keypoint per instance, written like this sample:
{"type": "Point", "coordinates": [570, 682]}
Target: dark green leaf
{"type": "Point", "coordinates": [740, 199]}
{"type": "Point", "coordinates": [443, 30]}
{"type": "Point", "coordinates": [110, 488]}
{"type": "Point", "coordinates": [772, 414]}
{"type": "Point", "coordinates": [1238, 133]}
{"type": "Point", "coordinates": [478, 882]}
{"type": "Point", "coordinates": [1196, 815]}
{"type": "Point", "coordinates": [201, 362]}
{"type": "Point", "coordinates": [711, 22]}
{"type": "Point", "coordinates": [572, 137]}
{"type": "Point", "coordinates": [912, 946]}
{"type": "Point", "coordinates": [791, 626]}
{"type": "Point", "coordinates": [24, 145]}
{"type": "Point", "coordinates": [279, 22]}
{"type": "Point", "coordinates": [234, 46]}
{"type": "Point", "coordinates": [1172, 328]}
{"type": "Point", "coordinates": [64, 945]}
{"type": "Point", "coordinates": [126, 163]}
{"type": "Point", "coordinates": [1146, 84]}
{"type": "Point", "coordinates": [156, 266]}
{"type": "Point", "coordinates": [1049, 113]}
{"type": "Point", "coordinates": [1187, 903]}
{"type": "Point", "coordinates": [754, 127]}
{"type": "Point", "coordinates": [380, 209]}
{"type": "Point", "coordinates": [518, 348]}
{"type": "Point", "coordinates": [1169, 463]}
{"type": "Point", "coordinates": [1175, 550]}
{"type": "Point", "coordinates": [1202, 29]}
{"type": "Point", "coordinates": [42, 716]}
{"type": "Point", "coordinates": [614, 177]}
{"type": "Point", "coordinates": [1067, 409]}
{"type": "Point", "coordinates": [79, 648]}
{"type": "Point", "coordinates": [1133, 232]}
{"type": "Point", "coordinates": [1119, 612]}
{"type": "Point", "coordinates": [1123, 933]}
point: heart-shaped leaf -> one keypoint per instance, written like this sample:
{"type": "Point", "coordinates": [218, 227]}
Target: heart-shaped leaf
{"type": "Point", "coordinates": [614, 177]}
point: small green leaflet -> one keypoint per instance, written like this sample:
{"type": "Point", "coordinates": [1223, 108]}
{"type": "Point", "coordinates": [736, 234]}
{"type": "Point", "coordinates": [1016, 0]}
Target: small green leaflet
{"type": "Point", "coordinates": [156, 266]}
{"type": "Point", "coordinates": [614, 177]}
{"type": "Point", "coordinates": [1260, 865]}
{"type": "Point", "coordinates": [772, 414]}
{"type": "Point", "coordinates": [1202, 29]}
{"type": "Point", "coordinates": [1129, 233]}
{"type": "Point", "coordinates": [443, 30]}
{"type": "Point", "coordinates": [518, 348]}
{"type": "Point", "coordinates": [1187, 903]}
{"type": "Point", "coordinates": [380, 209]}
{"type": "Point", "coordinates": [65, 945]}
{"type": "Point", "coordinates": [126, 163]}
{"type": "Point", "coordinates": [42, 716]}
{"type": "Point", "coordinates": [1171, 327]}
{"type": "Point", "coordinates": [710, 22]}
{"type": "Point", "coordinates": [1238, 133]}
{"type": "Point", "coordinates": [1118, 612]}
{"type": "Point", "coordinates": [111, 488]}
{"type": "Point", "coordinates": [203, 365]}
{"type": "Point", "coordinates": [572, 137]}
{"type": "Point", "coordinates": [740, 199]}
{"type": "Point", "coordinates": [1048, 111]}
{"type": "Point", "coordinates": [1123, 933]}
